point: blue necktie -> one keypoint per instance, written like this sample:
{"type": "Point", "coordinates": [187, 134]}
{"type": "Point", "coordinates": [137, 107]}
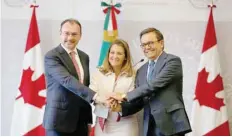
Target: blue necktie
{"type": "Point", "coordinates": [151, 67]}
{"type": "Point", "coordinates": [150, 70]}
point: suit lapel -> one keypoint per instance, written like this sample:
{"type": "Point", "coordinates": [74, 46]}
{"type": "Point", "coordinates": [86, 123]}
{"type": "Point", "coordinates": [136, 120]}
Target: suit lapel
{"type": "Point", "coordinates": [143, 70]}
{"type": "Point", "coordinates": [160, 63]}
{"type": "Point", "coordinates": [67, 61]}
{"type": "Point", "coordinates": [143, 74]}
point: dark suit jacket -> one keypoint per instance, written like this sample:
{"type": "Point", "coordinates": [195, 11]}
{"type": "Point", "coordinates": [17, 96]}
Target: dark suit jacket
{"type": "Point", "coordinates": [163, 93]}
{"type": "Point", "coordinates": [67, 102]}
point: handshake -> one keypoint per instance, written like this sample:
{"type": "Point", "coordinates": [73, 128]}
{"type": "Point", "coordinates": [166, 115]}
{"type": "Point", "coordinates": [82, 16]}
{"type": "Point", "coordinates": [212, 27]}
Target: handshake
{"type": "Point", "coordinates": [113, 101]}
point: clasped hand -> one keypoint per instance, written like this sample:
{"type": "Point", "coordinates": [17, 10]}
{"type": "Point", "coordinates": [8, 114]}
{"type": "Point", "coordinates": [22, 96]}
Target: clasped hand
{"type": "Point", "coordinates": [113, 101]}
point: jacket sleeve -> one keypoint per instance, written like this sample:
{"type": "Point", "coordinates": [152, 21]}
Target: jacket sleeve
{"type": "Point", "coordinates": [129, 108]}
{"type": "Point", "coordinates": [171, 71]}
{"type": "Point", "coordinates": [55, 69]}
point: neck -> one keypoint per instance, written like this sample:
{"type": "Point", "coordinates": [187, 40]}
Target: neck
{"type": "Point", "coordinates": [155, 58]}
{"type": "Point", "coordinates": [117, 70]}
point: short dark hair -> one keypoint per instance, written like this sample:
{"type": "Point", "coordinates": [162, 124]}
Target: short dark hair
{"type": "Point", "coordinates": [71, 20]}
{"type": "Point", "coordinates": [159, 35]}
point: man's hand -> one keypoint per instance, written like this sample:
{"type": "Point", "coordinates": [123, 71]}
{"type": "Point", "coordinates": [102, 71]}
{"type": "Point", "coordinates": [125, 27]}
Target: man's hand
{"type": "Point", "coordinates": [117, 108]}
{"type": "Point", "coordinates": [117, 96]}
{"type": "Point", "coordinates": [111, 102]}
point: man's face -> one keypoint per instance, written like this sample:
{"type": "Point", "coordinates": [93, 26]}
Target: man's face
{"type": "Point", "coordinates": [151, 46]}
{"type": "Point", "coordinates": [70, 35]}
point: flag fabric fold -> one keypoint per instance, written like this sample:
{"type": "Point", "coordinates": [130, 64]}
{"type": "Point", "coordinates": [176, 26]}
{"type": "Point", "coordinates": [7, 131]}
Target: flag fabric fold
{"type": "Point", "coordinates": [110, 32]}
{"type": "Point", "coordinates": [209, 113]}
{"type": "Point", "coordinates": [30, 100]}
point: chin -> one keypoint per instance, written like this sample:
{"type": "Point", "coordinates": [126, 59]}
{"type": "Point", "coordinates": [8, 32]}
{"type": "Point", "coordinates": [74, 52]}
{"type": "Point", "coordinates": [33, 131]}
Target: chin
{"type": "Point", "coordinates": [115, 65]}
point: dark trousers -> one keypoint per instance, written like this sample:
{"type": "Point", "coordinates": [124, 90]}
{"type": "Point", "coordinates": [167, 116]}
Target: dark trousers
{"type": "Point", "coordinates": [154, 131]}
{"type": "Point", "coordinates": [82, 130]}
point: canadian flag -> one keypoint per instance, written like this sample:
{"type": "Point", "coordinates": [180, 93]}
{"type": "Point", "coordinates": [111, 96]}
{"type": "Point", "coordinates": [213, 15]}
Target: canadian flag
{"type": "Point", "coordinates": [30, 100]}
{"type": "Point", "coordinates": [209, 114]}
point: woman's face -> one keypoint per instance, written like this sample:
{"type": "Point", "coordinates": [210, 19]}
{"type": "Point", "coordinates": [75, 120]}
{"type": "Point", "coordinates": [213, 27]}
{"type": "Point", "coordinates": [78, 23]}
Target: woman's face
{"type": "Point", "coordinates": [116, 56]}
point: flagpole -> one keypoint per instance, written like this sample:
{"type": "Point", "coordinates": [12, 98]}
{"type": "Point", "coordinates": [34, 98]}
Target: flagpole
{"type": "Point", "coordinates": [212, 4]}
{"type": "Point", "coordinates": [34, 5]}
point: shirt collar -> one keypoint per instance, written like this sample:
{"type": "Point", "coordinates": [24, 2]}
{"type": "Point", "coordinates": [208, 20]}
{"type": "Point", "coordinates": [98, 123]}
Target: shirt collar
{"type": "Point", "coordinates": [68, 50]}
{"type": "Point", "coordinates": [156, 58]}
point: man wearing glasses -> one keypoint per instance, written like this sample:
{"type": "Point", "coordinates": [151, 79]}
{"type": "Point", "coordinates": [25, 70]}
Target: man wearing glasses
{"type": "Point", "coordinates": [67, 111]}
{"type": "Point", "coordinates": [158, 89]}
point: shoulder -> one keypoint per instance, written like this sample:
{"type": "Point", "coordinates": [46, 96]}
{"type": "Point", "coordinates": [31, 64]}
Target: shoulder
{"type": "Point", "coordinates": [53, 52]}
{"type": "Point", "coordinates": [144, 66]}
{"type": "Point", "coordinates": [173, 59]}
{"type": "Point", "coordinates": [97, 73]}
{"type": "Point", "coordinates": [82, 53]}
{"type": "Point", "coordinates": [170, 61]}
{"type": "Point", "coordinates": [172, 56]}
{"type": "Point", "coordinates": [167, 57]}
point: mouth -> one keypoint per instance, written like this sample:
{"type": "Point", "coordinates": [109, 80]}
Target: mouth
{"type": "Point", "coordinates": [70, 42]}
{"type": "Point", "coordinates": [147, 52]}
{"type": "Point", "coordinates": [114, 60]}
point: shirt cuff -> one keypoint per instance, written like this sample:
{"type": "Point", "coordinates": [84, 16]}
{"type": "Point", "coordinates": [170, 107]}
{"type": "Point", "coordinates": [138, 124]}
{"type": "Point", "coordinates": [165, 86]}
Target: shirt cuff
{"type": "Point", "coordinates": [95, 97]}
{"type": "Point", "coordinates": [120, 113]}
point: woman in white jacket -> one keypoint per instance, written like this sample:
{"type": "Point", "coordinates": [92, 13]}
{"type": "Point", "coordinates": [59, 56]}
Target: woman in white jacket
{"type": "Point", "coordinates": [115, 75]}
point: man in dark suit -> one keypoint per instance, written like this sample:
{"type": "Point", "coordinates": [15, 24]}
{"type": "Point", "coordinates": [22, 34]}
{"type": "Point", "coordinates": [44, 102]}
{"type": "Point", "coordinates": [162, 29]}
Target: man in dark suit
{"type": "Point", "coordinates": [158, 90]}
{"type": "Point", "coordinates": [68, 110]}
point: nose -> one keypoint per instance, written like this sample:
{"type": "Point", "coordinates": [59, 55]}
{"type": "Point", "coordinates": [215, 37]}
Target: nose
{"type": "Point", "coordinates": [69, 37]}
{"type": "Point", "coordinates": [146, 48]}
{"type": "Point", "coordinates": [114, 56]}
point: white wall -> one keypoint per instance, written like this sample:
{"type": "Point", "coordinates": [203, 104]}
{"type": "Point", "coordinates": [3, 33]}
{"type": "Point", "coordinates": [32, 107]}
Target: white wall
{"type": "Point", "coordinates": [182, 24]}
{"type": "Point", "coordinates": [0, 67]}
{"type": "Point", "coordinates": [136, 10]}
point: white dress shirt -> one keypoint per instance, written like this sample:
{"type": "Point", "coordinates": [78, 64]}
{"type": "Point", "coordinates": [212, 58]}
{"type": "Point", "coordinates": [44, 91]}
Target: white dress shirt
{"type": "Point", "coordinates": [77, 59]}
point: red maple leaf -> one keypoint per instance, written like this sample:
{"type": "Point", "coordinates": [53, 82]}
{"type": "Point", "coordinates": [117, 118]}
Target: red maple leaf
{"type": "Point", "coordinates": [206, 92]}
{"type": "Point", "coordinates": [30, 89]}
{"type": "Point", "coordinates": [38, 131]}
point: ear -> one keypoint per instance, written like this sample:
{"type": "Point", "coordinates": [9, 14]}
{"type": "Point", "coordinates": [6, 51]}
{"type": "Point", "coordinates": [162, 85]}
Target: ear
{"type": "Point", "coordinates": [162, 44]}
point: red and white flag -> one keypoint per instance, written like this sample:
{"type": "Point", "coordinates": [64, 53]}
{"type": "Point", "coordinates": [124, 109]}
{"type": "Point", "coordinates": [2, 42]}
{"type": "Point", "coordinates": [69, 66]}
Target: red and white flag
{"type": "Point", "coordinates": [30, 101]}
{"type": "Point", "coordinates": [209, 113]}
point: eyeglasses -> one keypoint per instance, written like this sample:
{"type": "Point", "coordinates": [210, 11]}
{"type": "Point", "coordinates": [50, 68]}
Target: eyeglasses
{"type": "Point", "coordinates": [70, 34]}
{"type": "Point", "coordinates": [149, 43]}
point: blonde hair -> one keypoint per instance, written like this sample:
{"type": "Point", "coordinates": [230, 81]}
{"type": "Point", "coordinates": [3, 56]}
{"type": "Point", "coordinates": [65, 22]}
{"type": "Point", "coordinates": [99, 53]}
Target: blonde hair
{"type": "Point", "coordinates": [127, 64]}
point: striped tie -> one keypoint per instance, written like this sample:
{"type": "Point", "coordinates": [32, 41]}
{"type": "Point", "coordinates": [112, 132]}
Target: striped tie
{"type": "Point", "coordinates": [73, 54]}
